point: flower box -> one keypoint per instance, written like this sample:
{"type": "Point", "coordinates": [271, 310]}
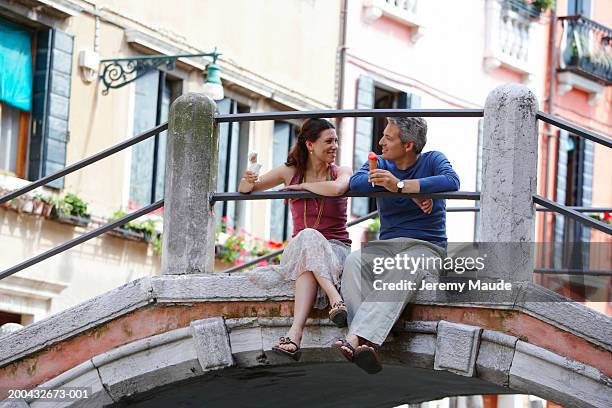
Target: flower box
{"type": "Point", "coordinates": [79, 221]}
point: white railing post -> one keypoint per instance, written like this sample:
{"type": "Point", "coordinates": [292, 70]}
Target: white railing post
{"type": "Point", "coordinates": [509, 180]}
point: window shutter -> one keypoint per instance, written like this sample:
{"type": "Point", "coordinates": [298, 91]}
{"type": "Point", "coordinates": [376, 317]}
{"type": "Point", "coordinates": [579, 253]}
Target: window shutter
{"type": "Point", "coordinates": [403, 100]}
{"type": "Point", "coordinates": [51, 105]}
{"type": "Point", "coordinates": [559, 226]}
{"type": "Point", "coordinates": [363, 137]}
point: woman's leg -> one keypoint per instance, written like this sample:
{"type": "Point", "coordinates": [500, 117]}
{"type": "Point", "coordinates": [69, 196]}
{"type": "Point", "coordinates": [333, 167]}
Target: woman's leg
{"type": "Point", "coordinates": [328, 287]}
{"type": "Point", "coordinates": [305, 292]}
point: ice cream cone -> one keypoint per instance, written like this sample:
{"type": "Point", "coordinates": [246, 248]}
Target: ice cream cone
{"type": "Point", "coordinates": [373, 160]}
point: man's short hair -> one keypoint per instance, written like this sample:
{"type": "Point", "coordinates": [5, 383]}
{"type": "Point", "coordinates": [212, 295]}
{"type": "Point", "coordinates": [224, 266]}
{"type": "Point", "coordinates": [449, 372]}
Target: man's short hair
{"type": "Point", "coordinates": [412, 130]}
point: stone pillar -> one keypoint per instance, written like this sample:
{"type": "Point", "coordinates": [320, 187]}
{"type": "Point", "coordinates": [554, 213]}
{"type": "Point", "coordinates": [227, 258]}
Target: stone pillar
{"type": "Point", "coordinates": [191, 176]}
{"type": "Point", "coordinates": [510, 148]}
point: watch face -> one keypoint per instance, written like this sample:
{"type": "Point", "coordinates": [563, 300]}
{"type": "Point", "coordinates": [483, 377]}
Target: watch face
{"type": "Point", "coordinates": [400, 184]}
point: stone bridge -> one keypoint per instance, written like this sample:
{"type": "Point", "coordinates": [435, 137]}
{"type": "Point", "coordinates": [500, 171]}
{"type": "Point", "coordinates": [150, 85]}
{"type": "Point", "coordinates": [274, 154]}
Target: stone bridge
{"type": "Point", "coordinates": [192, 339]}
{"type": "Point", "coordinates": [206, 339]}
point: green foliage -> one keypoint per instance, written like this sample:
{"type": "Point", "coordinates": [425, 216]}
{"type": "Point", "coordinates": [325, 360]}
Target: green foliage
{"type": "Point", "coordinates": [374, 225]}
{"type": "Point", "coordinates": [146, 226]}
{"type": "Point", "coordinates": [232, 249]}
{"type": "Point", "coordinates": [543, 4]}
{"type": "Point", "coordinates": [44, 198]}
{"type": "Point", "coordinates": [72, 204]}
{"type": "Point", "coordinates": [157, 244]}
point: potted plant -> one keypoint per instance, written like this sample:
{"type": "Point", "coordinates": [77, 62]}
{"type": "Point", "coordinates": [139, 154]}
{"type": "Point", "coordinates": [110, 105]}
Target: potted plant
{"type": "Point", "coordinates": [371, 233]}
{"type": "Point", "coordinates": [6, 204]}
{"type": "Point", "coordinates": [48, 204]}
{"type": "Point", "coordinates": [134, 230]}
{"type": "Point", "coordinates": [38, 204]}
{"type": "Point", "coordinates": [262, 247]}
{"type": "Point", "coordinates": [71, 209]}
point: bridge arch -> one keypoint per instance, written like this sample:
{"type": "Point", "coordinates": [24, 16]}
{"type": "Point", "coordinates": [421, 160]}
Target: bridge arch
{"type": "Point", "coordinates": [173, 338]}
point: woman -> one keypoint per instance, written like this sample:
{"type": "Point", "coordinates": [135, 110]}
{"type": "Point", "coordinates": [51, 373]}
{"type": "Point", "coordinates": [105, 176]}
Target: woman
{"type": "Point", "coordinates": [314, 257]}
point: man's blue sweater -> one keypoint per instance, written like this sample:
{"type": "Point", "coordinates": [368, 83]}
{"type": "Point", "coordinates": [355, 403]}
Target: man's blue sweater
{"type": "Point", "coordinates": [401, 217]}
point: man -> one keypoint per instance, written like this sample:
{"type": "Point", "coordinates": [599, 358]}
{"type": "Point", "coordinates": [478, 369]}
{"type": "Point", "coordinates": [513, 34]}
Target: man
{"type": "Point", "coordinates": [415, 228]}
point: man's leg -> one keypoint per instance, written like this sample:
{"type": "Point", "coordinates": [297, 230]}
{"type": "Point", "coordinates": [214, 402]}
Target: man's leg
{"type": "Point", "coordinates": [351, 284]}
{"type": "Point", "coordinates": [380, 310]}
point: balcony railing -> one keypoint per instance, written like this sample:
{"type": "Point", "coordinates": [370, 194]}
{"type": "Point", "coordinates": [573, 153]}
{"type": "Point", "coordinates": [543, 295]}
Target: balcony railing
{"type": "Point", "coordinates": [586, 49]}
{"type": "Point", "coordinates": [507, 36]}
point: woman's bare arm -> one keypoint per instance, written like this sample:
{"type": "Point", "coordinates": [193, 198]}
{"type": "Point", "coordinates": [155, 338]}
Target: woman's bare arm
{"type": "Point", "coordinates": [278, 175]}
{"type": "Point", "coordinates": [328, 188]}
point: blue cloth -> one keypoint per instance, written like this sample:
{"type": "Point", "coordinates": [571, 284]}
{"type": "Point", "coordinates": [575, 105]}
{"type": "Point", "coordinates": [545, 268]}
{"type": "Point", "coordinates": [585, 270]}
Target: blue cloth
{"type": "Point", "coordinates": [15, 66]}
{"type": "Point", "coordinates": [401, 217]}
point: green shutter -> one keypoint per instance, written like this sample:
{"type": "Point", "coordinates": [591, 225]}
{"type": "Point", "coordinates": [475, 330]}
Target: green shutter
{"type": "Point", "coordinates": [51, 105]}
{"type": "Point", "coordinates": [363, 137]}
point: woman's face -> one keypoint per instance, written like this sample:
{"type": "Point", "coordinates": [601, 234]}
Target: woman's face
{"type": "Point", "coordinates": [325, 148]}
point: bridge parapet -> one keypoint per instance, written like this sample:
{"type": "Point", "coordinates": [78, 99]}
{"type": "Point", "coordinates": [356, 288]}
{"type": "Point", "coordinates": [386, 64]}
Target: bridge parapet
{"type": "Point", "coordinates": [200, 329]}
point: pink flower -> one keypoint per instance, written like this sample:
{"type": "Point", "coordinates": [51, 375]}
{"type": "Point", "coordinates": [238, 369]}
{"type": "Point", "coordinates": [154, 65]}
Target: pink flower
{"type": "Point", "coordinates": [239, 261]}
{"type": "Point", "coordinates": [244, 252]}
{"type": "Point", "coordinates": [262, 263]}
{"type": "Point", "coordinates": [230, 229]}
{"type": "Point", "coordinates": [224, 218]}
{"type": "Point", "coordinates": [235, 246]}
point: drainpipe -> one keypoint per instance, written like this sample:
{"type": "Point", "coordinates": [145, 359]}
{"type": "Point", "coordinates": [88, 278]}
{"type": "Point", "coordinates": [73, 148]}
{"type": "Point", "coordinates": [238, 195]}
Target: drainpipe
{"type": "Point", "coordinates": [552, 45]}
{"type": "Point", "coordinates": [341, 62]}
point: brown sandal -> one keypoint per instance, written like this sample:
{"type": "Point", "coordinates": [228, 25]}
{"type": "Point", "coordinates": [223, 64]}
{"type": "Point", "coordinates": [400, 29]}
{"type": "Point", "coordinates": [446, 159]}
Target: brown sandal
{"type": "Point", "coordinates": [366, 358]}
{"type": "Point", "coordinates": [338, 314]}
{"type": "Point", "coordinates": [296, 354]}
{"type": "Point", "coordinates": [349, 357]}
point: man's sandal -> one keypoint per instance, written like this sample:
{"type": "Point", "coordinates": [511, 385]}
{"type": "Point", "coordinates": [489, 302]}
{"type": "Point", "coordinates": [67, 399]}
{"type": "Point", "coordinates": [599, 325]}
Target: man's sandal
{"type": "Point", "coordinates": [295, 354]}
{"type": "Point", "coordinates": [366, 358]}
{"type": "Point", "coordinates": [338, 314]}
{"type": "Point", "coordinates": [349, 357]}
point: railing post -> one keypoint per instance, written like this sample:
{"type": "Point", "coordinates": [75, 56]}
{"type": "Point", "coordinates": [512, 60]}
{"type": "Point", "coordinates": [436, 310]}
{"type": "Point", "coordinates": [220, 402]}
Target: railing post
{"type": "Point", "coordinates": [509, 181]}
{"type": "Point", "coordinates": [191, 176]}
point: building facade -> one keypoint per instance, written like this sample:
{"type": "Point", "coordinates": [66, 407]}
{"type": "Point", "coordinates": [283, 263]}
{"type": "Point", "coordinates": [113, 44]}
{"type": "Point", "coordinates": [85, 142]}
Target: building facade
{"type": "Point", "coordinates": [58, 112]}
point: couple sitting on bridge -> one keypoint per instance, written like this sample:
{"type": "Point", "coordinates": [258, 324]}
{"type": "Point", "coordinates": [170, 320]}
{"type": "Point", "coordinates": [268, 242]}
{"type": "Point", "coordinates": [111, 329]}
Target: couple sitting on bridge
{"type": "Point", "coordinates": [318, 257]}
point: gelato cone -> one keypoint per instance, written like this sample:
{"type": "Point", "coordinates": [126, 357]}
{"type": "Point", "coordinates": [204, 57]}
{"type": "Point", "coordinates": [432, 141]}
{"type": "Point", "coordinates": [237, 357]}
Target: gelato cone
{"type": "Point", "coordinates": [253, 165]}
{"type": "Point", "coordinates": [373, 160]}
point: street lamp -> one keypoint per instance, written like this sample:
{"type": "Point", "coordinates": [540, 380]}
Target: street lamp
{"type": "Point", "coordinates": [118, 72]}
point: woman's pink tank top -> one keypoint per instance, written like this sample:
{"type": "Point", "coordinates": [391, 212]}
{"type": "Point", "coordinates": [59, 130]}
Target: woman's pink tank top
{"type": "Point", "coordinates": [332, 224]}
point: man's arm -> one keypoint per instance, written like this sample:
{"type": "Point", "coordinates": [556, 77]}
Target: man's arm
{"type": "Point", "coordinates": [444, 178]}
{"type": "Point", "coordinates": [359, 180]}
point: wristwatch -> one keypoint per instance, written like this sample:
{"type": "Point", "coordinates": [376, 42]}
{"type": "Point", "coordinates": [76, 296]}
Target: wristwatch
{"type": "Point", "coordinates": [400, 185]}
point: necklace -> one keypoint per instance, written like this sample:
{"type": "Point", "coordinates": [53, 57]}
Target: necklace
{"type": "Point", "coordinates": [320, 203]}
{"type": "Point", "coordinates": [316, 224]}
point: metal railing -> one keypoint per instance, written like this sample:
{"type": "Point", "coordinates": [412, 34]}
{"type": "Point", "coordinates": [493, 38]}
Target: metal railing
{"type": "Point", "coordinates": [547, 205]}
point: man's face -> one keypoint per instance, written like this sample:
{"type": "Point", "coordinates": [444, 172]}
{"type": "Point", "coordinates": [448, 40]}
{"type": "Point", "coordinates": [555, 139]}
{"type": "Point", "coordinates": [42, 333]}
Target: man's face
{"type": "Point", "coordinates": [392, 146]}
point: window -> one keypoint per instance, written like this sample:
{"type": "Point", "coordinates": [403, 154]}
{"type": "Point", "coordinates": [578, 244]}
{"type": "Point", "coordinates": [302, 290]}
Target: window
{"type": "Point", "coordinates": [154, 94]}
{"type": "Point", "coordinates": [15, 96]}
{"type": "Point", "coordinates": [35, 74]}
{"type": "Point", "coordinates": [233, 157]}
{"type": "Point", "coordinates": [369, 130]}
{"type": "Point", "coordinates": [574, 188]}
{"type": "Point", "coordinates": [281, 223]}
{"type": "Point", "coordinates": [579, 8]}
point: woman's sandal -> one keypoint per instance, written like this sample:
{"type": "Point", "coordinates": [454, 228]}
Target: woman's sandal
{"type": "Point", "coordinates": [349, 357]}
{"type": "Point", "coordinates": [338, 314]}
{"type": "Point", "coordinates": [366, 358]}
{"type": "Point", "coordinates": [295, 354]}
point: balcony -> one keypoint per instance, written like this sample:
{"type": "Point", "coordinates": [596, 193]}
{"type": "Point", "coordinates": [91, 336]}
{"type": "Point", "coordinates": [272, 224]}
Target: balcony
{"type": "Point", "coordinates": [585, 56]}
{"type": "Point", "coordinates": [508, 27]}
{"type": "Point", "coordinates": [402, 11]}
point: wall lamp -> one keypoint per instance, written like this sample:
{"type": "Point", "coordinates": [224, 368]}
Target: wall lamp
{"type": "Point", "coordinates": [118, 72]}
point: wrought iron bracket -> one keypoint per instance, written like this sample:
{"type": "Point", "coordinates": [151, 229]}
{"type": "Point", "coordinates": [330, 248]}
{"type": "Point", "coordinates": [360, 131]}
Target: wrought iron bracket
{"type": "Point", "coordinates": [118, 72]}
